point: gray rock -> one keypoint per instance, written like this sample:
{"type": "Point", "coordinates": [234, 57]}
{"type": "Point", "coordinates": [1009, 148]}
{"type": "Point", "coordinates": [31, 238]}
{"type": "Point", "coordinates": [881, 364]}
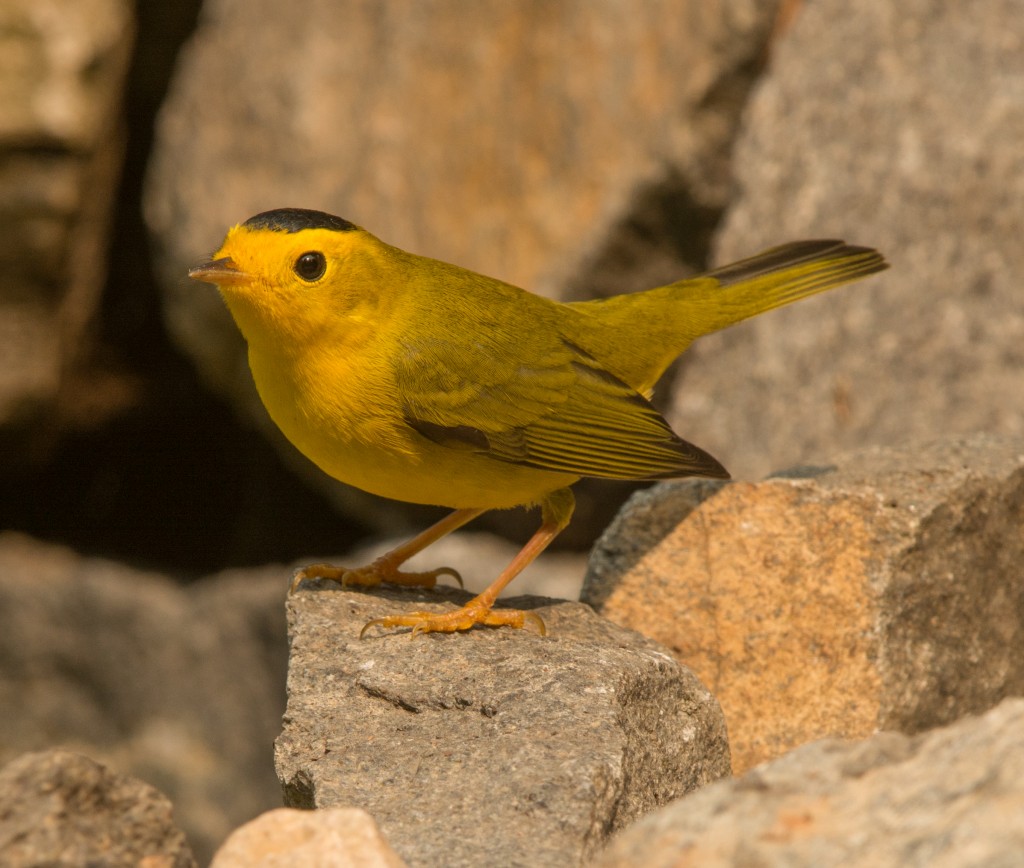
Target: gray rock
{"type": "Point", "coordinates": [184, 688]}
{"type": "Point", "coordinates": [530, 750]}
{"type": "Point", "coordinates": [62, 809]}
{"type": "Point", "coordinates": [950, 798]}
{"type": "Point", "coordinates": [893, 125]}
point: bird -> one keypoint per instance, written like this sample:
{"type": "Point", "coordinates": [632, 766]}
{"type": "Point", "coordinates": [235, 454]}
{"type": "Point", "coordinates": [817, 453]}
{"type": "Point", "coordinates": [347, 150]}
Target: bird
{"type": "Point", "coordinates": [425, 382]}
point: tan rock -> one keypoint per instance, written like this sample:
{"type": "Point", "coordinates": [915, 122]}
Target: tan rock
{"type": "Point", "coordinates": [60, 808]}
{"type": "Point", "coordinates": [331, 838]}
{"type": "Point", "coordinates": [885, 593]}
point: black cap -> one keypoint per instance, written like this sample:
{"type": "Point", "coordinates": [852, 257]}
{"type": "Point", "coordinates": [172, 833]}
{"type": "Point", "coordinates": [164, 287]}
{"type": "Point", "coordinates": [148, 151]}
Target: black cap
{"type": "Point", "coordinates": [297, 219]}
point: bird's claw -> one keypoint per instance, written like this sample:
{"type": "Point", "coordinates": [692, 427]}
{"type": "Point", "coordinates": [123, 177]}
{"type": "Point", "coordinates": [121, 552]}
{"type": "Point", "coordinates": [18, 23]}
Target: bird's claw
{"type": "Point", "coordinates": [460, 619]}
{"type": "Point", "coordinates": [372, 575]}
{"type": "Point", "coordinates": [445, 571]}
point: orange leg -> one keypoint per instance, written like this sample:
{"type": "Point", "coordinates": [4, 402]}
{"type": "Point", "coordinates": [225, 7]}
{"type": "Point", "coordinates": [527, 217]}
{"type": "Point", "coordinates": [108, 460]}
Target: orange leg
{"type": "Point", "coordinates": [385, 568]}
{"type": "Point", "coordinates": [556, 510]}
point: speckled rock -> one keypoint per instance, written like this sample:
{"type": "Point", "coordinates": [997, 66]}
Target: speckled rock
{"type": "Point", "coordinates": [893, 125]}
{"type": "Point", "coordinates": [532, 750]}
{"type": "Point", "coordinates": [952, 798]}
{"type": "Point", "coordinates": [63, 809]}
{"type": "Point", "coordinates": [884, 592]}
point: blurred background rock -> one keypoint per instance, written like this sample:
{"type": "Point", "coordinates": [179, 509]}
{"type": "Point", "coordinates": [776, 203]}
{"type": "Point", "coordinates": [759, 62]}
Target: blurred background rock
{"type": "Point", "coordinates": [576, 148]}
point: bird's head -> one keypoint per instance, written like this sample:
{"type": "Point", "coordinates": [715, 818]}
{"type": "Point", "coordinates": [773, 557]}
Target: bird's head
{"type": "Point", "coordinates": [291, 273]}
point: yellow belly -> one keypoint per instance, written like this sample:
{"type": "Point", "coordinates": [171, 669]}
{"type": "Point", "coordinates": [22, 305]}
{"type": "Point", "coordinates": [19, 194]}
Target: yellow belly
{"type": "Point", "coordinates": [430, 474]}
{"type": "Point", "coordinates": [363, 441]}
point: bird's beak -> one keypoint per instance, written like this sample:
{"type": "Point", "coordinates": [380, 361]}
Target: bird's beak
{"type": "Point", "coordinates": [222, 272]}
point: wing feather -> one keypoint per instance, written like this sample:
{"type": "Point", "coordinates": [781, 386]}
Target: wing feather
{"type": "Point", "coordinates": [559, 410]}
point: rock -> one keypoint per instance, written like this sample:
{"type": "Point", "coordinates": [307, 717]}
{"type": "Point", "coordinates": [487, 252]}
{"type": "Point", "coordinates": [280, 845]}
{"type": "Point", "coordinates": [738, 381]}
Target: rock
{"type": "Point", "coordinates": [891, 125]}
{"type": "Point", "coordinates": [532, 750]}
{"type": "Point", "coordinates": [882, 593]}
{"type": "Point", "coordinates": [331, 838]}
{"type": "Point", "coordinates": [61, 89]}
{"type": "Point", "coordinates": [575, 152]}
{"type": "Point", "coordinates": [952, 797]}
{"type": "Point", "coordinates": [59, 808]}
{"type": "Point", "coordinates": [183, 688]}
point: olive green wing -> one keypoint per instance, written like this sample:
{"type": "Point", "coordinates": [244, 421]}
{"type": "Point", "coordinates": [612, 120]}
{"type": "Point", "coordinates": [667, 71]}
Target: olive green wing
{"type": "Point", "coordinates": [552, 407]}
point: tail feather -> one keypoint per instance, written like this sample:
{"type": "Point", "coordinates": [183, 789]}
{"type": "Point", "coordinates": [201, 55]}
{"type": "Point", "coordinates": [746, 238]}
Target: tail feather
{"type": "Point", "coordinates": [637, 336]}
{"type": "Point", "coordinates": [780, 276]}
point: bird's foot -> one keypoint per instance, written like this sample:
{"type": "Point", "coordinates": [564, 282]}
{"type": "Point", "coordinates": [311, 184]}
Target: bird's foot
{"type": "Point", "coordinates": [474, 612]}
{"type": "Point", "coordinates": [381, 570]}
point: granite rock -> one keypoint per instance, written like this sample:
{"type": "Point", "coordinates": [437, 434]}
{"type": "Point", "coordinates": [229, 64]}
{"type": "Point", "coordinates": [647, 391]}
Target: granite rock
{"type": "Point", "coordinates": [950, 798]}
{"type": "Point", "coordinates": [892, 125]}
{"type": "Point", "coordinates": [883, 592]}
{"type": "Point", "coordinates": [529, 749]}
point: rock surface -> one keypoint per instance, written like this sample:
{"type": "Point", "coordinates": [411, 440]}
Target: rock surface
{"type": "Point", "coordinates": [953, 797]}
{"type": "Point", "coordinates": [182, 687]}
{"type": "Point", "coordinates": [330, 838]}
{"type": "Point", "coordinates": [530, 750]}
{"type": "Point", "coordinates": [883, 593]}
{"type": "Point", "coordinates": [62, 809]}
{"type": "Point", "coordinates": [892, 125]}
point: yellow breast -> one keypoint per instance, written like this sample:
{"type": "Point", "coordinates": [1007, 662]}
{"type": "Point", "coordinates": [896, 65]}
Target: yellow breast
{"type": "Point", "coordinates": [343, 414]}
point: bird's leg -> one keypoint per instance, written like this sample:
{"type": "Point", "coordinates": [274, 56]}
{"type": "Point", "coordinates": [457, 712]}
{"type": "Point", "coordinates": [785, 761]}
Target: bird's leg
{"type": "Point", "coordinates": [385, 568]}
{"type": "Point", "coordinates": [556, 510]}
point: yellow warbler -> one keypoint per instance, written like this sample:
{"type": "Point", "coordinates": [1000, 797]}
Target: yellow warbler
{"type": "Point", "coordinates": [425, 382]}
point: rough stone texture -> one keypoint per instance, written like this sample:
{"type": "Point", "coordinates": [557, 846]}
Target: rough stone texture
{"type": "Point", "coordinates": [62, 68]}
{"type": "Point", "coordinates": [330, 838]}
{"type": "Point", "coordinates": [495, 743]}
{"type": "Point", "coordinates": [893, 125]}
{"type": "Point", "coordinates": [946, 799]}
{"type": "Point", "coordinates": [539, 143]}
{"type": "Point", "coordinates": [886, 592]}
{"type": "Point", "coordinates": [62, 809]}
{"type": "Point", "coordinates": [182, 687]}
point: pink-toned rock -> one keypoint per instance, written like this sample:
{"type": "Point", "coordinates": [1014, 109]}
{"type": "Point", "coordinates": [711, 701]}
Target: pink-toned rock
{"type": "Point", "coordinates": [884, 593]}
{"type": "Point", "coordinates": [330, 838]}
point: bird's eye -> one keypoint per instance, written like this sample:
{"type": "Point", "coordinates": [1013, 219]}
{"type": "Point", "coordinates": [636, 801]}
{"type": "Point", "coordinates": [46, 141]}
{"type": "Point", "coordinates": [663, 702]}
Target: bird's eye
{"type": "Point", "coordinates": [311, 265]}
